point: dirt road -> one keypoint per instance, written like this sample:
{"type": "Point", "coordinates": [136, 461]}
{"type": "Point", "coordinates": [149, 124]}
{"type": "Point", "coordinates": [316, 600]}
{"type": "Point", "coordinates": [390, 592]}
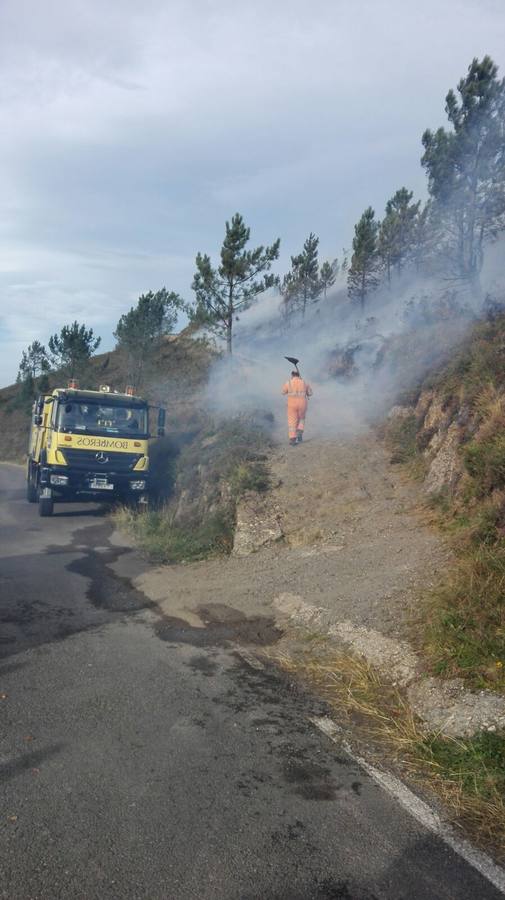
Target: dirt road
{"type": "Point", "coordinates": [355, 545]}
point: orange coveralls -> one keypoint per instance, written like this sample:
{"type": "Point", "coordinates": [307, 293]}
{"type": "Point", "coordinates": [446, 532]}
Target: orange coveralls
{"type": "Point", "coordinates": [298, 392]}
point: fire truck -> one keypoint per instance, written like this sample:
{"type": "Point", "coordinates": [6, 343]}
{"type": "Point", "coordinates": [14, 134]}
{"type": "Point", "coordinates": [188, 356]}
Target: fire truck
{"type": "Point", "coordinates": [89, 445]}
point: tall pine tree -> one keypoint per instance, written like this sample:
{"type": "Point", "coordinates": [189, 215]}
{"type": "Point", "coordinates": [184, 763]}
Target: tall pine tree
{"type": "Point", "coordinates": [396, 232]}
{"type": "Point", "coordinates": [302, 283]}
{"type": "Point", "coordinates": [34, 362]}
{"type": "Point", "coordinates": [71, 349]}
{"type": "Point", "coordinates": [223, 292]}
{"type": "Point", "coordinates": [328, 275]}
{"type": "Point", "coordinates": [363, 275]}
{"type": "Point", "coordinates": [141, 329]}
{"type": "Point", "coordinates": [466, 168]}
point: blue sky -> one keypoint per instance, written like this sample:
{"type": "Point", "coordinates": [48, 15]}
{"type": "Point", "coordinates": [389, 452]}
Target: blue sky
{"type": "Point", "coordinates": [131, 132]}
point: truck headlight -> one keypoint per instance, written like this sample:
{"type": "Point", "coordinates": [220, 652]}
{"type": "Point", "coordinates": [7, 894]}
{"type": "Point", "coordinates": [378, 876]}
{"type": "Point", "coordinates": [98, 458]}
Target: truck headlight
{"type": "Point", "coordinates": [59, 479]}
{"type": "Point", "coordinates": [138, 485]}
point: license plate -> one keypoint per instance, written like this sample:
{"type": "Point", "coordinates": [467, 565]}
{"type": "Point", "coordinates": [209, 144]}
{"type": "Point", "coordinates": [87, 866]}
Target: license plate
{"type": "Point", "coordinates": [101, 484]}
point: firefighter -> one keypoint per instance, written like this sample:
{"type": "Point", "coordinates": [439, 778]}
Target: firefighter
{"type": "Point", "coordinates": [298, 391]}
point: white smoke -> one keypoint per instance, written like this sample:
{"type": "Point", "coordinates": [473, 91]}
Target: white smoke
{"type": "Point", "coordinates": [252, 378]}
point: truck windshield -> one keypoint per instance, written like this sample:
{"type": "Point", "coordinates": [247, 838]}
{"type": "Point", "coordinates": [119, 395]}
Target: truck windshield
{"type": "Point", "coordinates": [97, 418]}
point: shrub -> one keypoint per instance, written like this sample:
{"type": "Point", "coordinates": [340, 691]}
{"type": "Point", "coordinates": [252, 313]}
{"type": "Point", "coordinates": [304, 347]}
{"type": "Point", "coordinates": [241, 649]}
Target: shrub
{"type": "Point", "coordinates": [485, 462]}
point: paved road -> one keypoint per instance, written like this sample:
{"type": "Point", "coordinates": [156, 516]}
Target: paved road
{"type": "Point", "coordinates": [135, 765]}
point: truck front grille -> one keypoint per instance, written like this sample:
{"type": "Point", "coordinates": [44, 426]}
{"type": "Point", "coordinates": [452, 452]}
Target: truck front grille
{"type": "Point", "coordinates": [101, 460]}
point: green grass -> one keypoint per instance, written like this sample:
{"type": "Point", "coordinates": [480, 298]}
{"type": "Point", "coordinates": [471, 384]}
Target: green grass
{"type": "Point", "coordinates": [401, 437]}
{"type": "Point", "coordinates": [163, 541]}
{"type": "Point", "coordinates": [465, 618]}
{"type": "Point", "coordinates": [485, 463]}
{"type": "Point", "coordinates": [470, 776]}
{"type": "Point", "coordinates": [478, 763]}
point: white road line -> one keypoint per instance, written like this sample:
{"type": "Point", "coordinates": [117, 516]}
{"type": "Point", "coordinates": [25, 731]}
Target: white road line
{"type": "Point", "coordinates": [418, 808]}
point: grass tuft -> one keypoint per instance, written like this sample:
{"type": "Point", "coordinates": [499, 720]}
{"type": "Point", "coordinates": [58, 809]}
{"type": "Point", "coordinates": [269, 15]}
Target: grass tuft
{"type": "Point", "coordinates": [465, 619]}
{"type": "Point", "coordinates": [164, 541]}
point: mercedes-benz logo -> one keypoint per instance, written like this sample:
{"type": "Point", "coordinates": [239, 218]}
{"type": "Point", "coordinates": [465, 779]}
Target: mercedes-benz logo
{"type": "Point", "coordinates": [101, 457]}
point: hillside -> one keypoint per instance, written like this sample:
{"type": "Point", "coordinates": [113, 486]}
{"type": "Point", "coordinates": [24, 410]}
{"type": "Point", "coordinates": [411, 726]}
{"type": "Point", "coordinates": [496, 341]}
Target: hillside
{"type": "Point", "coordinates": [451, 437]}
{"type": "Point", "coordinates": [173, 378]}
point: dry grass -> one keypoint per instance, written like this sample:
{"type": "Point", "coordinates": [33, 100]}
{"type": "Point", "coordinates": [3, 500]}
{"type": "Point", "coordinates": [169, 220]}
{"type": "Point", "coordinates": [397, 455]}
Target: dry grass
{"type": "Point", "coordinates": [490, 408]}
{"type": "Point", "coordinates": [468, 776]}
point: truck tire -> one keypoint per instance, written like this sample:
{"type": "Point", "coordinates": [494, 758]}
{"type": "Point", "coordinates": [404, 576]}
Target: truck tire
{"type": "Point", "coordinates": [31, 492]}
{"type": "Point", "coordinates": [46, 506]}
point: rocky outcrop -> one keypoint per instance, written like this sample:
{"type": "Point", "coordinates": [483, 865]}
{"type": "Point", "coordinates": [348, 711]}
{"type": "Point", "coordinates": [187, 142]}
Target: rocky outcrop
{"type": "Point", "coordinates": [440, 430]}
{"type": "Point", "coordinates": [445, 468]}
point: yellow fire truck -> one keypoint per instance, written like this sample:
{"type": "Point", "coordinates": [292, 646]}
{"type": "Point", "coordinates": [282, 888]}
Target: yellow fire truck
{"type": "Point", "coordinates": [89, 445]}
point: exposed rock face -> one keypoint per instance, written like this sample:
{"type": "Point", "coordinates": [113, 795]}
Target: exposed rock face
{"type": "Point", "coordinates": [440, 433]}
{"type": "Point", "coordinates": [257, 524]}
{"type": "Point", "coordinates": [445, 468]}
{"type": "Point", "coordinates": [204, 498]}
{"type": "Point", "coordinates": [400, 412]}
{"type": "Point", "coordinates": [423, 404]}
{"type": "Point", "coordinates": [436, 416]}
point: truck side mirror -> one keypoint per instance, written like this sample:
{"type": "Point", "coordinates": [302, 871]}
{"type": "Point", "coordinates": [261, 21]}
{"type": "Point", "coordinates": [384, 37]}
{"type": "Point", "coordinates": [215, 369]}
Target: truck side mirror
{"type": "Point", "coordinates": [161, 422]}
{"type": "Point", "coordinates": [37, 420]}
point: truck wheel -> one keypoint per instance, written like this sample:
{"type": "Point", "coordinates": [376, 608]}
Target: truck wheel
{"type": "Point", "coordinates": [46, 506]}
{"type": "Point", "coordinates": [31, 492]}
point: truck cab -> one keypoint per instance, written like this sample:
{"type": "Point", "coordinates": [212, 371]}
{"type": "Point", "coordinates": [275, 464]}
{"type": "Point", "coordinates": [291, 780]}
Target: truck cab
{"type": "Point", "coordinates": [89, 445]}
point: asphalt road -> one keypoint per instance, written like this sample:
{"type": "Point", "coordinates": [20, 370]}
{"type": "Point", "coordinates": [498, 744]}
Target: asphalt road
{"type": "Point", "coordinates": [134, 764]}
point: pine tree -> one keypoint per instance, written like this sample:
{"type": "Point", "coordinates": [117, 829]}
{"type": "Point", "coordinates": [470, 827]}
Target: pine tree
{"type": "Point", "coordinates": [396, 230]}
{"type": "Point", "coordinates": [405, 212]}
{"type": "Point", "coordinates": [424, 237]}
{"type": "Point", "coordinates": [302, 283]}
{"type": "Point", "coordinates": [363, 276]}
{"type": "Point", "coordinates": [72, 348]}
{"type": "Point", "coordinates": [141, 329]}
{"type": "Point", "coordinates": [387, 241]}
{"type": "Point", "coordinates": [34, 361]}
{"type": "Point", "coordinates": [223, 292]}
{"type": "Point", "coordinates": [328, 275]}
{"type": "Point", "coordinates": [466, 168]}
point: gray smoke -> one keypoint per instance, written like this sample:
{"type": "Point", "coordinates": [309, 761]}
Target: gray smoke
{"type": "Point", "coordinates": [345, 355]}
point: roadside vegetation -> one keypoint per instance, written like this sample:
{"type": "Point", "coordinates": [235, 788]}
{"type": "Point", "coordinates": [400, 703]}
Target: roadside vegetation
{"type": "Point", "coordinates": [464, 617]}
{"type": "Point", "coordinates": [205, 474]}
{"type": "Point", "coordinates": [467, 774]}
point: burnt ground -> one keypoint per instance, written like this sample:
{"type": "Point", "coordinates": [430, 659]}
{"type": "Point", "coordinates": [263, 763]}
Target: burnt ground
{"type": "Point", "coordinates": [139, 760]}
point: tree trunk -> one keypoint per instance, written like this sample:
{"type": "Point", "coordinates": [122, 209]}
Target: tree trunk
{"type": "Point", "coordinates": [229, 335]}
{"type": "Point", "coordinates": [229, 320]}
